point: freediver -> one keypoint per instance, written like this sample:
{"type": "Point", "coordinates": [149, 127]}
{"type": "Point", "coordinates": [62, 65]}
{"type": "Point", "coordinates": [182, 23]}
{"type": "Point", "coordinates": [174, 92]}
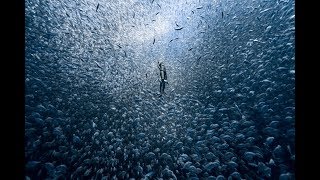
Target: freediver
{"type": "Point", "coordinates": [163, 77]}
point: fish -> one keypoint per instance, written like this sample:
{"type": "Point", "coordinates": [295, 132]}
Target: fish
{"type": "Point", "coordinates": [173, 39]}
{"type": "Point", "coordinates": [199, 24]}
{"type": "Point", "coordinates": [97, 7]}
{"type": "Point", "coordinates": [222, 14]}
{"type": "Point", "coordinates": [98, 64]}
{"type": "Point", "coordinates": [154, 40]}
{"type": "Point", "coordinates": [265, 10]}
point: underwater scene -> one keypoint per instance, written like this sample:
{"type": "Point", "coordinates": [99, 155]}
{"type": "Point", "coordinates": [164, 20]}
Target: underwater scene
{"type": "Point", "coordinates": [159, 89]}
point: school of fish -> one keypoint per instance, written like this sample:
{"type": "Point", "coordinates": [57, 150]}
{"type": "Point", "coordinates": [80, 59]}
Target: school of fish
{"type": "Point", "coordinates": [92, 105]}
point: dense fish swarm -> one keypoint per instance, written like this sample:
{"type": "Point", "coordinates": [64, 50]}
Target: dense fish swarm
{"type": "Point", "coordinates": [92, 105]}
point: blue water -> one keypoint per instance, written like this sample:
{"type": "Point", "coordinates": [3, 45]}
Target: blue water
{"type": "Point", "coordinates": [92, 104]}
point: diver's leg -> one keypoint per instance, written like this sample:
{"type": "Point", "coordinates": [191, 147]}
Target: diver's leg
{"type": "Point", "coordinates": [164, 85]}
{"type": "Point", "coordinates": [161, 87]}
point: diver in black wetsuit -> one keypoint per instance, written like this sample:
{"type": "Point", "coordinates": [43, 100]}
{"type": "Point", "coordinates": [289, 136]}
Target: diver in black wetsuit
{"type": "Point", "coordinates": [163, 77]}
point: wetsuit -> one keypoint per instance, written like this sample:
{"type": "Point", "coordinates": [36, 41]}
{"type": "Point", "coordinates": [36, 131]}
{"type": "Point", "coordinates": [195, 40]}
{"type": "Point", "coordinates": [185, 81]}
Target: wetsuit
{"type": "Point", "coordinates": [163, 77]}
